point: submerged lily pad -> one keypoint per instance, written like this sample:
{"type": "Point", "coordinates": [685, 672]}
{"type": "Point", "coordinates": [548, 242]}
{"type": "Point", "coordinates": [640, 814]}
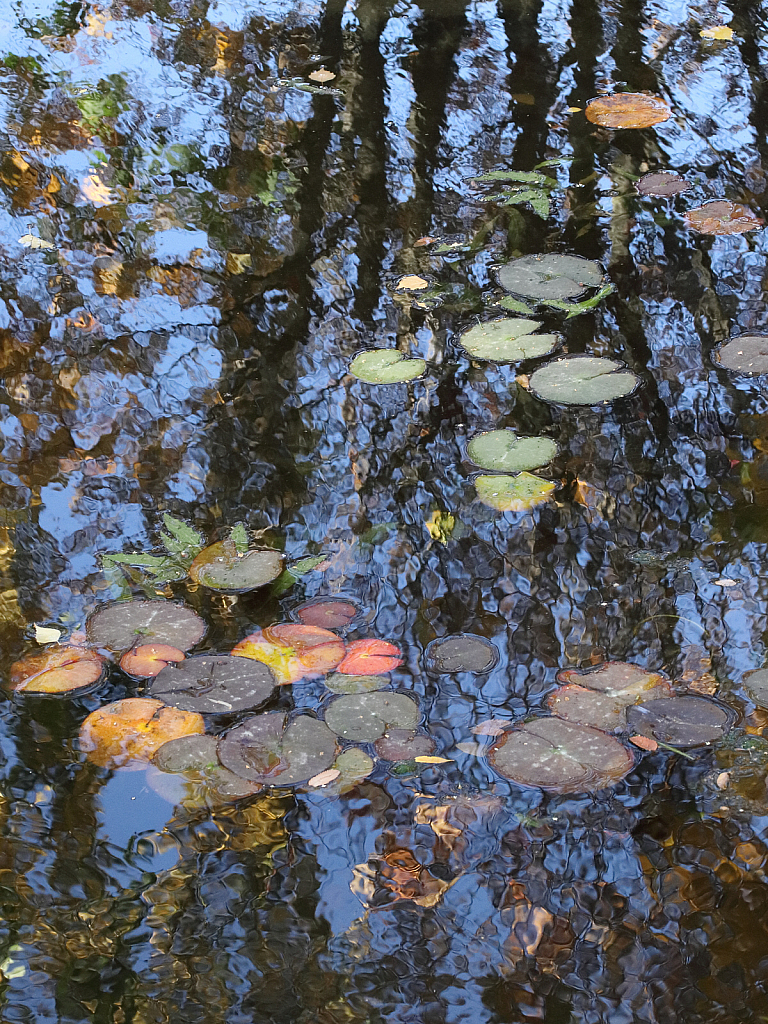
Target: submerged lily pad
{"type": "Point", "coordinates": [221, 567]}
{"type": "Point", "coordinates": [133, 730]}
{"type": "Point", "coordinates": [340, 682]}
{"type": "Point", "coordinates": [756, 685]}
{"type": "Point", "coordinates": [600, 696]}
{"type": "Point", "coordinates": [403, 745]}
{"type": "Point", "coordinates": [550, 276]}
{"type": "Point", "coordinates": [747, 354]}
{"type": "Point", "coordinates": [327, 612]}
{"type": "Point", "coordinates": [503, 451]}
{"type": "Point", "coordinates": [681, 721]}
{"type": "Point", "coordinates": [583, 380]}
{"type": "Point", "coordinates": [293, 651]}
{"type": "Point", "coordinates": [722, 217]}
{"type": "Point", "coordinates": [507, 341]}
{"type": "Point", "coordinates": [264, 750]}
{"type": "Point", "coordinates": [187, 753]}
{"type": "Point", "coordinates": [56, 670]}
{"type": "Point", "coordinates": [386, 366]}
{"type": "Point", "coordinates": [462, 652]}
{"type": "Point", "coordinates": [364, 717]}
{"type": "Point", "coordinates": [215, 684]}
{"type": "Point", "coordinates": [560, 756]}
{"type": "Point", "coordinates": [662, 183]}
{"type": "Point", "coordinates": [127, 624]}
{"type": "Point", "coordinates": [354, 764]}
{"type": "Point", "coordinates": [513, 493]}
{"type": "Point", "coordinates": [627, 110]}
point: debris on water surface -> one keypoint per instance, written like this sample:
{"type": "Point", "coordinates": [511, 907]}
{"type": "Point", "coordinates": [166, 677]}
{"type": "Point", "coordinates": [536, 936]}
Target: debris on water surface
{"type": "Point", "coordinates": [405, 745]}
{"type": "Point", "coordinates": [719, 32]}
{"type": "Point", "coordinates": [627, 110]}
{"type": "Point", "coordinates": [746, 354]}
{"type": "Point", "coordinates": [681, 721]}
{"type": "Point", "coordinates": [342, 682]}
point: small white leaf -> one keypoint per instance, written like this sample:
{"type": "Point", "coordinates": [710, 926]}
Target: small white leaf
{"type": "Point", "coordinates": [324, 777]}
{"type": "Point", "coordinates": [33, 242]}
{"type": "Point", "coordinates": [725, 582]}
{"type": "Point", "coordinates": [47, 635]}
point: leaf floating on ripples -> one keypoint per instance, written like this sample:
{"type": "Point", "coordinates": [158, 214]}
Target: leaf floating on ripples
{"type": "Point", "coordinates": [221, 567]}
{"type": "Point", "coordinates": [503, 451]}
{"type": "Point", "coordinates": [627, 110]}
{"type": "Point", "coordinates": [149, 660]}
{"type": "Point", "coordinates": [61, 670]}
{"type": "Point", "coordinates": [340, 682]}
{"type": "Point", "coordinates": [662, 183]}
{"type": "Point", "coordinates": [386, 366]}
{"type": "Point", "coordinates": [370, 657]}
{"type": "Point", "coordinates": [721, 32]}
{"type": "Point", "coordinates": [293, 651]}
{"type": "Point", "coordinates": [756, 685]}
{"type": "Point", "coordinates": [600, 696]}
{"type": "Point", "coordinates": [722, 217]}
{"type": "Point", "coordinates": [747, 354]}
{"type": "Point", "coordinates": [134, 730]}
{"type": "Point", "coordinates": [583, 380]}
{"type": "Point", "coordinates": [354, 764]}
{"type": "Point", "coordinates": [513, 493]}
{"type": "Point", "coordinates": [507, 341]}
{"type": "Point", "coordinates": [33, 242]}
{"type": "Point", "coordinates": [461, 652]}
{"type": "Point", "coordinates": [327, 612]}
{"type": "Point", "coordinates": [412, 283]}
{"type": "Point", "coordinates": [187, 753]}
{"type": "Point", "coordinates": [550, 276]}
{"type": "Point", "coordinates": [127, 624]}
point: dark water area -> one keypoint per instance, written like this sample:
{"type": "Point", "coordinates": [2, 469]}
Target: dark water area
{"type": "Point", "coordinates": [196, 240]}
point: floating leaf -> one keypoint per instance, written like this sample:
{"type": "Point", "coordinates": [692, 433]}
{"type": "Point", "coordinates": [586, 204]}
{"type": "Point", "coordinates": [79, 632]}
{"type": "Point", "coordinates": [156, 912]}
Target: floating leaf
{"type": "Point", "coordinates": [404, 745]}
{"type": "Point", "coordinates": [756, 685]}
{"type": "Point", "coordinates": [239, 537]}
{"type": "Point", "coordinates": [187, 753]}
{"type": "Point", "coordinates": [747, 354]}
{"type": "Point", "coordinates": [515, 305]}
{"type": "Point", "coordinates": [461, 652]}
{"type": "Point", "coordinates": [327, 612]}
{"type": "Point", "coordinates": [264, 750]}
{"type": "Point", "coordinates": [126, 624]}
{"type": "Point", "coordinates": [600, 696]}
{"type": "Point", "coordinates": [644, 743]}
{"type": "Point", "coordinates": [33, 242]}
{"type": "Point", "coordinates": [583, 380]}
{"type": "Point", "coordinates": [342, 683]}
{"type": "Point", "coordinates": [370, 657]}
{"type": "Point", "coordinates": [627, 110]}
{"type": "Point", "coordinates": [431, 759]}
{"type": "Point", "coordinates": [181, 538]}
{"type": "Point", "coordinates": [513, 493]}
{"type": "Point", "coordinates": [354, 764]}
{"type": "Point", "coordinates": [56, 670]}
{"type": "Point", "coordinates": [529, 177]}
{"type": "Point", "coordinates": [238, 262]}
{"type": "Point", "coordinates": [322, 75]}
{"type": "Point", "coordinates": [329, 775]}
{"type": "Point", "coordinates": [681, 721]}
{"type": "Point", "coordinates": [503, 451]}
{"type": "Point", "coordinates": [386, 366]}
{"type": "Point", "coordinates": [722, 217]}
{"type": "Point", "coordinates": [441, 526]}
{"type": "Point", "coordinates": [412, 283]}
{"type": "Point", "coordinates": [560, 756]}
{"type": "Point", "coordinates": [221, 567]}
{"type": "Point", "coordinates": [133, 730]}
{"type": "Point", "coordinates": [507, 341]}
{"type": "Point", "coordinates": [717, 32]}
{"type": "Point", "coordinates": [47, 635]}
{"type": "Point", "coordinates": [662, 183]}
{"type": "Point", "coordinates": [293, 651]}
{"type": "Point", "coordinates": [215, 684]}
{"type": "Point", "coordinates": [364, 717]}
{"type": "Point", "coordinates": [493, 727]}
{"type": "Point", "coordinates": [577, 308]}
{"type": "Point", "coordinates": [149, 660]}
{"type": "Point", "coordinates": [289, 576]}
{"type": "Point", "coordinates": [550, 276]}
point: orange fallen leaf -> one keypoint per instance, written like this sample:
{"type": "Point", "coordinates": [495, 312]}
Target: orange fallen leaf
{"type": "Point", "coordinates": [722, 217]}
{"type": "Point", "coordinates": [412, 283]}
{"type": "Point", "coordinates": [644, 742]}
{"type": "Point", "coordinates": [149, 660]}
{"type": "Point", "coordinates": [133, 730]}
{"type": "Point", "coordinates": [323, 778]}
{"type": "Point", "coordinates": [425, 240]}
{"type": "Point", "coordinates": [627, 110]}
{"type": "Point", "coordinates": [370, 658]}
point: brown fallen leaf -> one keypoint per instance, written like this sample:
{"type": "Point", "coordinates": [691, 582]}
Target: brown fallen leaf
{"type": "Point", "coordinates": [722, 217]}
{"type": "Point", "coordinates": [627, 110]}
{"type": "Point", "coordinates": [523, 380]}
{"type": "Point", "coordinates": [412, 283]}
{"type": "Point", "coordinates": [644, 742]}
{"type": "Point", "coordinates": [473, 749]}
{"type": "Point", "coordinates": [425, 240]}
{"type": "Point", "coordinates": [323, 778]}
{"type": "Point", "coordinates": [493, 727]}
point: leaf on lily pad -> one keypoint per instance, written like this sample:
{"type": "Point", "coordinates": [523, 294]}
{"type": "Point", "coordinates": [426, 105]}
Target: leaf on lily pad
{"type": "Point", "coordinates": [364, 717]}
{"type": "Point", "coordinates": [127, 624]}
{"type": "Point", "coordinates": [293, 651]}
{"type": "Point", "coordinates": [187, 753]}
{"type": "Point", "coordinates": [386, 366]}
{"type": "Point", "coordinates": [722, 217]}
{"type": "Point", "coordinates": [412, 283]}
{"type": "Point", "coordinates": [681, 721]}
{"type": "Point", "coordinates": [370, 657]}
{"type": "Point", "coordinates": [560, 756]}
{"type": "Point", "coordinates": [327, 612]}
{"type": "Point", "coordinates": [504, 452]}
{"type": "Point", "coordinates": [149, 660]}
{"type": "Point", "coordinates": [461, 652]}
{"type": "Point", "coordinates": [627, 110]}
{"type": "Point", "coordinates": [221, 567]}
{"type": "Point", "coordinates": [215, 684]}
{"type": "Point", "coordinates": [747, 354]}
{"type": "Point", "coordinates": [662, 183]}
{"type": "Point", "coordinates": [61, 670]}
{"type": "Point", "coordinates": [324, 778]}
{"type": "Point", "coordinates": [507, 341]}
{"type": "Point", "coordinates": [514, 493]}
{"type": "Point", "coordinates": [404, 745]}
{"type": "Point", "coordinates": [263, 749]}
{"type": "Point", "coordinates": [340, 682]}
{"type": "Point", "coordinates": [322, 75]}
{"type": "Point", "coordinates": [644, 743]}
{"type": "Point", "coordinates": [600, 696]}
{"type": "Point", "coordinates": [133, 730]}
{"type": "Point", "coordinates": [583, 380]}
{"type": "Point", "coordinates": [550, 276]}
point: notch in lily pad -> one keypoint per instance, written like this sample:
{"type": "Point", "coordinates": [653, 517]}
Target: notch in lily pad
{"type": "Point", "coordinates": [364, 717]}
{"type": "Point", "coordinates": [504, 452]}
{"type": "Point", "coordinates": [266, 750]}
{"type": "Point", "coordinates": [386, 366]}
{"type": "Point", "coordinates": [215, 684]}
{"type": "Point", "coordinates": [127, 624]}
{"type": "Point", "coordinates": [461, 652]}
{"type": "Point", "coordinates": [746, 355]}
{"type": "Point", "coordinates": [583, 380]}
{"type": "Point", "coordinates": [225, 567]}
{"type": "Point", "coordinates": [519, 493]}
{"type": "Point", "coordinates": [510, 340]}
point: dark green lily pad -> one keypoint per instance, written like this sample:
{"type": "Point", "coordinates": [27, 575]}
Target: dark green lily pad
{"type": "Point", "coordinates": [505, 452]}
{"type": "Point", "coordinates": [756, 685]}
{"type": "Point", "coordinates": [747, 355]}
{"type": "Point", "coordinates": [600, 696]}
{"type": "Point", "coordinates": [461, 652]}
{"type": "Point", "coordinates": [403, 745]}
{"type": "Point", "coordinates": [513, 493]}
{"type": "Point", "coordinates": [507, 341]}
{"type": "Point", "coordinates": [354, 764]}
{"type": "Point", "coordinates": [264, 750]}
{"type": "Point", "coordinates": [221, 567]}
{"type": "Point", "coordinates": [386, 366]}
{"type": "Point", "coordinates": [339, 682]}
{"type": "Point", "coordinates": [364, 717]}
{"type": "Point", "coordinates": [214, 684]}
{"type": "Point", "coordinates": [681, 721]}
{"type": "Point", "coordinates": [560, 756]}
{"type": "Point", "coordinates": [550, 276]}
{"type": "Point", "coordinates": [126, 624]}
{"type": "Point", "coordinates": [583, 380]}
{"type": "Point", "coordinates": [187, 753]}
{"type": "Point", "coordinates": [662, 183]}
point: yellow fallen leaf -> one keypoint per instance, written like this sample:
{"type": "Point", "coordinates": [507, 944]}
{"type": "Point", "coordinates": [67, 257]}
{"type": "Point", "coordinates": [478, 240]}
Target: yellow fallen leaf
{"type": "Point", "coordinates": [238, 262]}
{"type": "Point", "coordinates": [573, 110]}
{"type": "Point", "coordinates": [430, 759]}
{"type": "Point", "coordinates": [324, 777]}
{"type": "Point", "coordinates": [322, 75]}
{"type": "Point", "coordinates": [46, 634]}
{"type": "Point", "coordinates": [95, 191]}
{"type": "Point", "coordinates": [413, 283]}
{"type": "Point", "coordinates": [717, 32]}
{"type": "Point", "coordinates": [440, 526]}
{"type": "Point", "coordinates": [33, 242]}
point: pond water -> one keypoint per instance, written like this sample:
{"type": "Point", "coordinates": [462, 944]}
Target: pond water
{"type": "Point", "coordinates": [200, 231]}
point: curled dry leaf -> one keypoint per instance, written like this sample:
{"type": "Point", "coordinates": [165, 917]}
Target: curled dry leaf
{"type": "Point", "coordinates": [412, 283]}
{"type": "Point", "coordinates": [56, 670]}
{"type": "Point", "coordinates": [322, 75]}
{"type": "Point", "coordinates": [722, 217]}
{"type": "Point", "coordinates": [133, 730]}
{"type": "Point", "coordinates": [722, 780]}
{"type": "Point", "coordinates": [644, 742]}
{"type": "Point", "coordinates": [323, 778]}
{"type": "Point", "coordinates": [627, 110]}
{"type": "Point", "coordinates": [149, 660]}
{"type": "Point", "coordinates": [47, 635]}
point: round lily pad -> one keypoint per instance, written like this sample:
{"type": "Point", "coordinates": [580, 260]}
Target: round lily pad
{"type": "Point", "coordinates": [560, 756]}
{"type": "Point", "coordinates": [133, 730]}
{"type": "Point", "coordinates": [503, 451]}
{"type": "Point", "coordinates": [461, 652]}
{"type": "Point", "coordinates": [681, 721]}
{"type": "Point", "coordinates": [264, 750]}
{"type": "Point", "coordinates": [550, 276]}
{"type": "Point", "coordinates": [353, 763]}
{"type": "Point", "coordinates": [187, 753]}
{"type": "Point", "coordinates": [127, 624]}
{"type": "Point", "coordinates": [327, 612]}
{"type": "Point", "coordinates": [756, 685]}
{"type": "Point", "coordinates": [583, 380]}
{"type": "Point", "coordinates": [149, 660]}
{"type": "Point", "coordinates": [747, 354]}
{"type": "Point", "coordinates": [341, 683]}
{"type": "Point", "coordinates": [364, 717]}
{"type": "Point", "coordinates": [403, 745]}
{"type": "Point", "coordinates": [221, 567]}
{"type": "Point", "coordinates": [627, 110]}
{"type": "Point", "coordinates": [386, 366]}
{"type": "Point", "coordinates": [518, 493]}
{"type": "Point", "coordinates": [507, 341]}
{"type": "Point", "coordinates": [56, 670]}
{"type": "Point", "coordinates": [662, 183]}
{"type": "Point", "coordinates": [214, 684]}
{"type": "Point", "coordinates": [722, 217]}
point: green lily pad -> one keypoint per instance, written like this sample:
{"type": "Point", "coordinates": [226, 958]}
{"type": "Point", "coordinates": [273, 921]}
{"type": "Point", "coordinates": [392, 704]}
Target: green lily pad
{"type": "Point", "coordinates": [364, 717]}
{"type": "Point", "coordinates": [583, 380]}
{"type": "Point", "coordinates": [600, 696]}
{"type": "Point", "coordinates": [264, 750]}
{"type": "Point", "coordinates": [756, 685]}
{"type": "Point", "coordinates": [560, 756]}
{"type": "Point", "coordinates": [747, 354]}
{"type": "Point", "coordinates": [681, 721]}
{"type": "Point", "coordinates": [339, 682]}
{"type": "Point", "coordinates": [386, 366]}
{"type": "Point", "coordinates": [461, 652]}
{"type": "Point", "coordinates": [214, 684]}
{"type": "Point", "coordinates": [513, 493]}
{"type": "Point", "coordinates": [187, 753]}
{"type": "Point", "coordinates": [354, 764]}
{"type": "Point", "coordinates": [127, 624]}
{"type": "Point", "coordinates": [507, 341]}
{"type": "Point", "coordinates": [403, 745]}
{"type": "Point", "coordinates": [221, 567]}
{"type": "Point", "coordinates": [550, 276]}
{"type": "Point", "coordinates": [503, 451]}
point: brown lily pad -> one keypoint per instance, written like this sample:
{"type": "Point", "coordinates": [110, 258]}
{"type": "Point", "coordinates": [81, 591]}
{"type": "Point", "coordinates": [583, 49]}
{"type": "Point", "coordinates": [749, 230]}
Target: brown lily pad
{"type": "Point", "coordinates": [722, 217]}
{"type": "Point", "coordinates": [662, 183]}
{"type": "Point", "coordinates": [747, 354]}
{"type": "Point", "coordinates": [264, 750]}
{"type": "Point", "coordinates": [681, 721]}
{"type": "Point", "coordinates": [133, 730]}
{"type": "Point", "coordinates": [127, 624]}
{"type": "Point", "coordinates": [600, 696]}
{"type": "Point", "coordinates": [403, 745]}
{"type": "Point", "coordinates": [327, 612]}
{"type": "Point", "coordinates": [627, 110]}
{"type": "Point", "coordinates": [61, 670]}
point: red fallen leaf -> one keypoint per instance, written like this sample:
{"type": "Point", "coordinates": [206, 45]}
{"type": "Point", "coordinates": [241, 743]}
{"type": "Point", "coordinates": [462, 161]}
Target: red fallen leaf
{"type": "Point", "coordinates": [644, 742]}
{"type": "Point", "coordinates": [149, 660]}
{"type": "Point", "coordinates": [370, 658]}
{"type": "Point", "coordinates": [292, 651]}
{"type": "Point", "coordinates": [134, 730]}
{"type": "Point", "coordinates": [55, 670]}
